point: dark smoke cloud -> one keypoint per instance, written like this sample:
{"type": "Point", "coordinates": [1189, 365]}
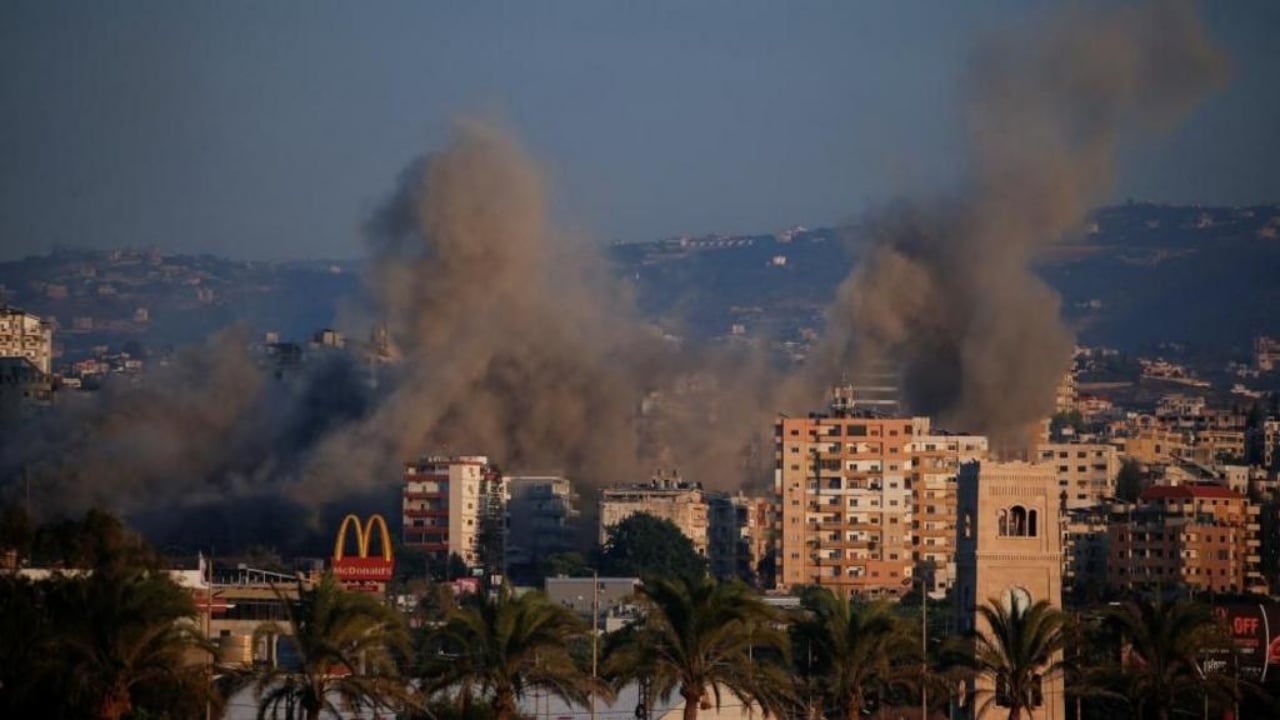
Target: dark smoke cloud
{"type": "Point", "coordinates": [946, 291]}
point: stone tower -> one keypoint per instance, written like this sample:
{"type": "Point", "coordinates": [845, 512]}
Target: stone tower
{"type": "Point", "coordinates": [1008, 547]}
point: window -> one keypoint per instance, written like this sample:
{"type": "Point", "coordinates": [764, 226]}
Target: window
{"type": "Point", "coordinates": [1016, 521]}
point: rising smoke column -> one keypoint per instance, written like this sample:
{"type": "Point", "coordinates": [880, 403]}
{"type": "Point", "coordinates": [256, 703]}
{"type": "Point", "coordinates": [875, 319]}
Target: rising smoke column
{"type": "Point", "coordinates": [515, 339]}
{"type": "Point", "coordinates": [946, 290]}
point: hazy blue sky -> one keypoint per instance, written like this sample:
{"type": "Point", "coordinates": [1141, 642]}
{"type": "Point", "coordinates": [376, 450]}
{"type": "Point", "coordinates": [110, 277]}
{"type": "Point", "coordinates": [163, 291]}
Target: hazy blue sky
{"type": "Point", "coordinates": [270, 129]}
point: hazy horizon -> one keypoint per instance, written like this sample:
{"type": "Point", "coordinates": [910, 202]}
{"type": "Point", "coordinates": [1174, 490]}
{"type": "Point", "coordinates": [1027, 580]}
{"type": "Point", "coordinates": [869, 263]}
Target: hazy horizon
{"type": "Point", "coordinates": [272, 131]}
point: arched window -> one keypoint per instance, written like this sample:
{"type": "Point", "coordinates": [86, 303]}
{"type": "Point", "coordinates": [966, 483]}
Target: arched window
{"type": "Point", "coordinates": [968, 525]}
{"type": "Point", "coordinates": [1018, 521]}
{"type": "Point", "coordinates": [1002, 522]}
{"type": "Point", "coordinates": [1031, 523]}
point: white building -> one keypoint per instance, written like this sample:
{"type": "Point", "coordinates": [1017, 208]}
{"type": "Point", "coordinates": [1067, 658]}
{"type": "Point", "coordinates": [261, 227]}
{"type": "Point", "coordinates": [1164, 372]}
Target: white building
{"type": "Point", "coordinates": [446, 503]}
{"type": "Point", "coordinates": [25, 335]}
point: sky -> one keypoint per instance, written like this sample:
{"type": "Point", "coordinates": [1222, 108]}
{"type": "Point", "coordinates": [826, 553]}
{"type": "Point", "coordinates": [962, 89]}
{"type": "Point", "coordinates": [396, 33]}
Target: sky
{"type": "Point", "coordinates": [271, 130]}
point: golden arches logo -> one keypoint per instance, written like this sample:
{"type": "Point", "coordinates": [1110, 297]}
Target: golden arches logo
{"type": "Point", "coordinates": [363, 536]}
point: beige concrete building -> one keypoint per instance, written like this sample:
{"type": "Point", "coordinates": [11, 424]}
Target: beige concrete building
{"type": "Point", "coordinates": [1205, 537]}
{"type": "Point", "coordinates": [1008, 549]}
{"type": "Point", "coordinates": [27, 336]}
{"type": "Point", "coordinates": [1065, 394]}
{"type": "Point", "coordinates": [843, 486]}
{"type": "Point", "coordinates": [665, 496]}
{"type": "Point", "coordinates": [867, 501]}
{"type": "Point", "coordinates": [936, 460]}
{"type": "Point", "coordinates": [1086, 472]}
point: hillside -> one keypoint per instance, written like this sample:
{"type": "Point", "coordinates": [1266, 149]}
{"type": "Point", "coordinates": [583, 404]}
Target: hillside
{"type": "Point", "coordinates": [1141, 274]}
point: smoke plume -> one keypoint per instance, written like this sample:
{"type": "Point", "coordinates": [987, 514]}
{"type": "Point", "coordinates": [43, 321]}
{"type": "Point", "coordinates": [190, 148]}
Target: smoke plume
{"type": "Point", "coordinates": [514, 339]}
{"type": "Point", "coordinates": [946, 291]}
{"type": "Point", "coordinates": [518, 341]}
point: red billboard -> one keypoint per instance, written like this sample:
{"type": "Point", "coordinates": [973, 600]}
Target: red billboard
{"type": "Point", "coordinates": [1255, 634]}
{"type": "Point", "coordinates": [363, 572]}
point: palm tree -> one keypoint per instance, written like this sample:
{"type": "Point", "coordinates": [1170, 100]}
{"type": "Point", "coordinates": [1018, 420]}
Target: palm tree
{"type": "Point", "coordinates": [123, 634]}
{"type": "Point", "coordinates": [1161, 659]}
{"type": "Point", "coordinates": [347, 644]}
{"type": "Point", "coordinates": [700, 636]}
{"type": "Point", "coordinates": [504, 646]}
{"type": "Point", "coordinates": [849, 650]}
{"type": "Point", "coordinates": [1021, 645]}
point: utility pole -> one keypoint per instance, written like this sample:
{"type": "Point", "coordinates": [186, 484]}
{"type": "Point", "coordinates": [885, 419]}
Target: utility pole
{"type": "Point", "coordinates": [208, 626]}
{"type": "Point", "coordinates": [595, 637]}
{"type": "Point", "coordinates": [924, 651]}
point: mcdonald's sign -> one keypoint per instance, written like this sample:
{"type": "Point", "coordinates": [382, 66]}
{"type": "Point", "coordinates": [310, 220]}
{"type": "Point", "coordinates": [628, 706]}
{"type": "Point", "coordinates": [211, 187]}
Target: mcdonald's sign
{"type": "Point", "coordinates": [362, 570]}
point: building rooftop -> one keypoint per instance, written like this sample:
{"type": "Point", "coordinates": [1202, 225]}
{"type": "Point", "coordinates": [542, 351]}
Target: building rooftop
{"type": "Point", "coordinates": [1171, 492]}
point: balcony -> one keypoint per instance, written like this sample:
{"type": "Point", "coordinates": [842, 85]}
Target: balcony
{"type": "Point", "coordinates": [425, 513]}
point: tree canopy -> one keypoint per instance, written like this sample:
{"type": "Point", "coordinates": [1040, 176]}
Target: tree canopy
{"type": "Point", "coordinates": [645, 546]}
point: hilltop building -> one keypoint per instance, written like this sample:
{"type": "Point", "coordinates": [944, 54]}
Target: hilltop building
{"type": "Point", "coordinates": [23, 389]}
{"type": "Point", "coordinates": [24, 335]}
{"type": "Point", "coordinates": [665, 496]}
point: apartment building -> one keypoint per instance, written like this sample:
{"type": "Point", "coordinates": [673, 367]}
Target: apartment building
{"type": "Point", "coordinates": [844, 487]}
{"type": "Point", "coordinates": [455, 505]}
{"type": "Point", "coordinates": [1204, 537]}
{"type": "Point", "coordinates": [1085, 549]}
{"type": "Point", "coordinates": [542, 514]}
{"type": "Point", "coordinates": [866, 501]}
{"type": "Point", "coordinates": [936, 461]}
{"type": "Point", "coordinates": [1264, 443]}
{"type": "Point", "coordinates": [740, 534]}
{"type": "Point", "coordinates": [26, 336]}
{"type": "Point", "coordinates": [665, 496]}
{"type": "Point", "coordinates": [1086, 472]}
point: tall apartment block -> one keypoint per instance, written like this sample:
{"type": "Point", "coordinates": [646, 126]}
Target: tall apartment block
{"type": "Point", "coordinates": [26, 336]}
{"type": "Point", "coordinates": [936, 461]}
{"type": "Point", "coordinates": [866, 500]}
{"type": "Point", "coordinates": [1205, 537]}
{"type": "Point", "coordinates": [455, 505]}
{"type": "Point", "coordinates": [666, 496]}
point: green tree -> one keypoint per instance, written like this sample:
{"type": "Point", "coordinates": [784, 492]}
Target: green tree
{"type": "Point", "coordinates": [852, 651]}
{"type": "Point", "coordinates": [701, 637]}
{"type": "Point", "coordinates": [123, 634]}
{"type": "Point", "coordinates": [348, 645]}
{"type": "Point", "coordinates": [1021, 645]}
{"type": "Point", "coordinates": [16, 533]}
{"type": "Point", "coordinates": [565, 564]}
{"type": "Point", "coordinates": [646, 546]}
{"type": "Point", "coordinates": [503, 647]}
{"type": "Point", "coordinates": [1161, 668]}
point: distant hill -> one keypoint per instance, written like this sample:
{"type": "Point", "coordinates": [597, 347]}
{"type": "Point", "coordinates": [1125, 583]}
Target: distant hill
{"type": "Point", "coordinates": [1141, 274]}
